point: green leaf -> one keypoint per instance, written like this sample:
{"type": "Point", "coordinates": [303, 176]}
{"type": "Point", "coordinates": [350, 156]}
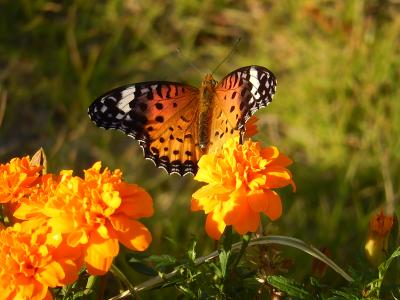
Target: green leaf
{"type": "Point", "coordinates": [162, 262]}
{"type": "Point", "coordinates": [81, 294]}
{"type": "Point", "coordinates": [289, 286]}
{"type": "Point", "coordinates": [385, 265]}
{"type": "Point", "coordinates": [223, 260]}
{"type": "Point", "coordinates": [142, 268]}
{"type": "Point", "coordinates": [216, 270]}
{"type": "Point", "coordinates": [192, 251]}
{"type": "Point", "coordinates": [187, 291]}
{"type": "Point", "coordinates": [344, 295]}
{"type": "Point", "coordinates": [227, 239]}
{"type": "Point", "coordinates": [226, 250]}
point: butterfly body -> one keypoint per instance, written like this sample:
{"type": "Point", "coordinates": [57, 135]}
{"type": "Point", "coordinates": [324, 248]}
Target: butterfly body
{"type": "Point", "coordinates": [206, 105]}
{"type": "Point", "coordinates": [176, 123]}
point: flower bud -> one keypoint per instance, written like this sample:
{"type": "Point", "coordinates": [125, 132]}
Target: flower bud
{"type": "Point", "coordinates": [377, 244]}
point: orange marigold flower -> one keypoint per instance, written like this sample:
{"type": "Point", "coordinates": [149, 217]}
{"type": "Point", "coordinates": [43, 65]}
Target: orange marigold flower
{"type": "Point", "coordinates": [93, 214]}
{"type": "Point", "coordinates": [33, 259]}
{"type": "Point", "coordinates": [16, 179]}
{"type": "Point", "coordinates": [240, 181]}
{"type": "Point", "coordinates": [251, 128]}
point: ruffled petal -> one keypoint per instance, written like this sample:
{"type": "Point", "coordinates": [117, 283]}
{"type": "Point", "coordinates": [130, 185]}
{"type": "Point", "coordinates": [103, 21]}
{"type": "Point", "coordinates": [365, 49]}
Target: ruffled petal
{"type": "Point", "coordinates": [59, 273]}
{"type": "Point", "coordinates": [281, 160]}
{"type": "Point", "coordinates": [137, 203]}
{"type": "Point", "coordinates": [215, 225]}
{"type": "Point", "coordinates": [246, 220]}
{"type": "Point", "coordinates": [258, 200]}
{"type": "Point", "coordinates": [240, 180]}
{"type": "Point", "coordinates": [278, 177]}
{"type": "Point", "coordinates": [132, 234]}
{"type": "Point", "coordinates": [100, 254]}
{"type": "Point", "coordinates": [274, 205]}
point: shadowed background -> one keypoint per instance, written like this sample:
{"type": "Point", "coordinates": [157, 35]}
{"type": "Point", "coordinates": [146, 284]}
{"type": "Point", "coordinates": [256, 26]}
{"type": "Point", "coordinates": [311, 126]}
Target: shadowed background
{"type": "Point", "coordinates": [336, 111]}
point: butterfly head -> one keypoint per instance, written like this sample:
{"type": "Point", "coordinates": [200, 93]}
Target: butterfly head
{"type": "Point", "coordinates": [209, 81]}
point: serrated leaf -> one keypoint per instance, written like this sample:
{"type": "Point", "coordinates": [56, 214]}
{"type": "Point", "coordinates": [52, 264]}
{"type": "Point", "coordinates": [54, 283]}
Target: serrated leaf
{"type": "Point", "coordinates": [289, 286]}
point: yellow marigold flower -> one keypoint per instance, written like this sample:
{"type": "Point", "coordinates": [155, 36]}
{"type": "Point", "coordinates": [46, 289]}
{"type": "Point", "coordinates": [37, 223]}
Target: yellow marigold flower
{"type": "Point", "coordinates": [376, 247]}
{"type": "Point", "coordinates": [93, 214]}
{"type": "Point", "coordinates": [240, 181]}
{"type": "Point", "coordinates": [33, 259]}
{"type": "Point", "coordinates": [16, 179]}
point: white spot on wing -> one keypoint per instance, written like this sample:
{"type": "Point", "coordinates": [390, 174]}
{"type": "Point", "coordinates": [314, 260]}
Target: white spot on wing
{"type": "Point", "coordinates": [255, 82]}
{"type": "Point", "coordinates": [127, 96]}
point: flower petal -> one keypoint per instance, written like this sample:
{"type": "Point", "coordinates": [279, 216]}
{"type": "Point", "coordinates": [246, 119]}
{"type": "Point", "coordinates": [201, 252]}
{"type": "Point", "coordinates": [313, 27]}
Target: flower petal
{"type": "Point", "coordinates": [243, 218]}
{"type": "Point", "coordinates": [258, 200]}
{"type": "Point", "coordinates": [281, 160]}
{"type": "Point", "coordinates": [136, 202]}
{"type": "Point", "coordinates": [209, 190]}
{"type": "Point", "coordinates": [215, 225]}
{"type": "Point", "coordinates": [267, 202]}
{"type": "Point", "coordinates": [131, 233]}
{"type": "Point", "coordinates": [100, 254]}
{"type": "Point", "coordinates": [278, 177]}
{"type": "Point", "coordinates": [58, 273]}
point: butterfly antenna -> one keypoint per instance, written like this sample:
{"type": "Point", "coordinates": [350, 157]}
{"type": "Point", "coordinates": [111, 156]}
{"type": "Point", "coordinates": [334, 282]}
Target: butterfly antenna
{"type": "Point", "coordinates": [227, 56]}
{"type": "Point", "coordinates": [186, 60]}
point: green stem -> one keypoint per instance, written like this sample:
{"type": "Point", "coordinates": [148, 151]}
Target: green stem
{"type": "Point", "coordinates": [243, 247]}
{"type": "Point", "coordinates": [121, 276]}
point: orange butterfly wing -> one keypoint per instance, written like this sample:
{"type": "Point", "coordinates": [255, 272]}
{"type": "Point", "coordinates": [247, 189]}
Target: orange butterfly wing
{"type": "Point", "coordinates": [161, 115]}
{"type": "Point", "coordinates": [238, 96]}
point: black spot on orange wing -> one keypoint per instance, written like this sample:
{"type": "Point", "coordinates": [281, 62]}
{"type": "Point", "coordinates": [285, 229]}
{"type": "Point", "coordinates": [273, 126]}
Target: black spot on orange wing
{"type": "Point", "coordinates": [145, 111]}
{"type": "Point", "coordinates": [250, 88]}
{"type": "Point", "coordinates": [159, 119]}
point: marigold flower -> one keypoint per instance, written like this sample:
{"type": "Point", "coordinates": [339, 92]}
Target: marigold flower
{"type": "Point", "coordinates": [17, 179]}
{"type": "Point", "coordinates": [33, 259]}
{"type": "Point", "coordinates": [241, 179]}
{"type": "Point", "coordinates": [93, 214]}
{"type": "Point", "coordinates": [251, 128]}
{"type": "Point", "coordinates": [376, 247]}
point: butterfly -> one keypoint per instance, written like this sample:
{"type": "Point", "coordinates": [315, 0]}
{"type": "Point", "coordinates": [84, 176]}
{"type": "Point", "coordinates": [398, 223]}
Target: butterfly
{"type": "Point", "coordinates": [176, 123]}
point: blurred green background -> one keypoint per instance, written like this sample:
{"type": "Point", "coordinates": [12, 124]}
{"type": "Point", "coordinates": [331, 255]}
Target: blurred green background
{"type": "Point", "coordinates": [336, 111]}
